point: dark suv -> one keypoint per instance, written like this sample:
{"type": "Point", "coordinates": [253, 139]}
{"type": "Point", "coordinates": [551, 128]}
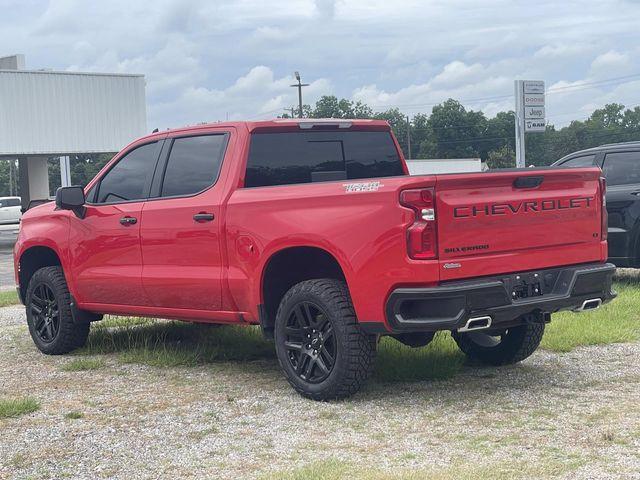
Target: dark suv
{"type": "Point", "coordinates": [620, 163]}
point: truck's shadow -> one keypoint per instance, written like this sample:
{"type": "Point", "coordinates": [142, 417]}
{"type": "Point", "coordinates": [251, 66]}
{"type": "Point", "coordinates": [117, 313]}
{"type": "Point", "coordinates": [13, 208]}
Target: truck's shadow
{"type": "Point", "coordinates": [176, 344]}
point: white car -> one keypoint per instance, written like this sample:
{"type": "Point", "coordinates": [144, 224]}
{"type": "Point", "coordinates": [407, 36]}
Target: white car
{"type": "Point", "coordinates": [10, 210]}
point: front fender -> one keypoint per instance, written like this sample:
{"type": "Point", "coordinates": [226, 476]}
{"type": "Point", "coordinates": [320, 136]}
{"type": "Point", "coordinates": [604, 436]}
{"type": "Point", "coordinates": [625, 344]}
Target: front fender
{"type": "Point", "coordinates": [49, 231]}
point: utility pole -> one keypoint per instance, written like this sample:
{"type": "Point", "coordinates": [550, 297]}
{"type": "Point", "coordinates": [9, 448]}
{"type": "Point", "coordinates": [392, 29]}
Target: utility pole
{"type": "Point", "coordinates": [408, 138]}
{"type": "Point", "coordinates": [299, 86]}
{"type": "Point", "coordinates": [520, 155]}
{"type": "Point", "coordinates": [11, 178]}
{"type": "Point", "coordinates": [290, 110]}
{"type": "Point", "coordinates": [65, 171]}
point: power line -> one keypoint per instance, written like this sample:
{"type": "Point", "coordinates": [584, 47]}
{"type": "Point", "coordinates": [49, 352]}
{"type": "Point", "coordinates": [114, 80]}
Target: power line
{"type": "Point", "coordinates": [476, 100]}
{"type": "Point", "coordinates": [551, 91]}
{"type": "Point", "coordinates": [262, 114]}
{"type": "Point", "coordinates": [491, 139]}
{"type": "Point", "coordinates": [589, 84]}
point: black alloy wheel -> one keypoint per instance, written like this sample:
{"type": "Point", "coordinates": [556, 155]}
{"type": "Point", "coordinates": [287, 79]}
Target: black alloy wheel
{"type": "Point", "coordinates": [504, 347]}
{"type": "Point", "coordinates": [46, 313]}
{"type": "Point", "coordinates": [49, 317]}
{"type": "Point", "coordinates": [310, 342]}
{"type": "Point", "coordinates": [322, 350]}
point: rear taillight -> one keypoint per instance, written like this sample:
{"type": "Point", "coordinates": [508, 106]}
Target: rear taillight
{"type": "Point", "coordinates": [421, 234]}
{"type": "Point", "coordinates": [604, 216]}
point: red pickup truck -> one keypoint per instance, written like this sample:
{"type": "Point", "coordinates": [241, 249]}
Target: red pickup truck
{"type": "Point", "coordinates": [314, 230]}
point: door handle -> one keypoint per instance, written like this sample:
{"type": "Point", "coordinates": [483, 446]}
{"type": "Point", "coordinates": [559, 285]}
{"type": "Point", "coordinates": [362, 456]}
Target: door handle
{"type": "Point", "coordinates": [636, 193]}
{"type": "Point", "coordinates": [126, 221]}
{"type": "Point", "coordinates": [203, 217]}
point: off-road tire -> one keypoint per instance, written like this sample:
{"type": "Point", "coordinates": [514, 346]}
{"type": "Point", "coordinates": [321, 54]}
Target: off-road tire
{"type": "Point", "coordinates": [515, 345]}
{"type": "Point", "coordinates": [70, 335]}
{"type": "Point", "coordinates": [355, 350]}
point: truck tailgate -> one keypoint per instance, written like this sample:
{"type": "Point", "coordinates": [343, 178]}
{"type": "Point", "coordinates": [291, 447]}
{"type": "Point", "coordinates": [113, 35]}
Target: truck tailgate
{"type": "Point", "coordinates": [504, 221]}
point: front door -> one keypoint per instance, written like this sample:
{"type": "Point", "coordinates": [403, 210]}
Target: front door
{"type": "Point", "coordinates": [106, 260]}
{"type": "Point", "coordinates": [180, 229]}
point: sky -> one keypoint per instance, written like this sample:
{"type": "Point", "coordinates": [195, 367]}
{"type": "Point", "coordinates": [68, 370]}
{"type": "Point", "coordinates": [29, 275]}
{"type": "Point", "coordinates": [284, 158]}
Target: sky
{"type": "Point", "coordinates": [213, 60]}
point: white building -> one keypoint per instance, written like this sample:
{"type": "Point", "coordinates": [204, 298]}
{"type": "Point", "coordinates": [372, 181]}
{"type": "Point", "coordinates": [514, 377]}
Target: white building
{"type": "Point", "coordinates": [46, 113]}
{"type": "Point", "coordinates": [430, 166]}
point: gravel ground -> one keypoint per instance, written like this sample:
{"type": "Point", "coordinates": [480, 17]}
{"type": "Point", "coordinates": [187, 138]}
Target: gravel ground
{"type": "Point", "coordinates": [575, 415]}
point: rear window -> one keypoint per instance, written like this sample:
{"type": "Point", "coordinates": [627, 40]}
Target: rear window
{"type": "Point", "coordinates": [583, 161]}
{"type": "Point", "coordinates": [193, 165]}
{"type": "Point", "coordinates": [10, 202]}
{"type": "Point", "coordinates": [304, 157]}
{"type": "Point", "coordinates": [622, 168]}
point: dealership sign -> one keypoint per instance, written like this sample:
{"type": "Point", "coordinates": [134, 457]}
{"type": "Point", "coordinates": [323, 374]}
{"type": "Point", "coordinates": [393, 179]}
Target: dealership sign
{"type": "Point", "coordinates": [530, 113]}
{"type": "Point", "coordinates": [533, 103]}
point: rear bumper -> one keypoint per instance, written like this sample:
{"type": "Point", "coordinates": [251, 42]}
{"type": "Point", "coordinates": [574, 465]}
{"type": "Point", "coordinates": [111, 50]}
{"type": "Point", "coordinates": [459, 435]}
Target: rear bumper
{"type": "Point", "coordinates": [503, 298]}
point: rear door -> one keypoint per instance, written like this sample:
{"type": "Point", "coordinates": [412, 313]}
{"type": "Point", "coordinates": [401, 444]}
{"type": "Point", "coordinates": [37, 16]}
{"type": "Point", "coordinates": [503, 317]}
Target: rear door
{"type": "Point", "coordinates": [500, 222]}
{"type": "Point", "coordinates": [181, 225]}
{"type": "Point", "coordinates": [622, 170]}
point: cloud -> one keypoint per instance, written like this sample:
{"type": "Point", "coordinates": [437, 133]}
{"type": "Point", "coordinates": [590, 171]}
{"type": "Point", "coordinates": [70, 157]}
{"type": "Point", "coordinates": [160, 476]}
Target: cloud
{"type": "Point", "coordinates": [326, 8]}
{"type": "Point", "coordinates": [559, 51]}
{"type": "Point", "coordinates": [208, 60]}
{"type": "Point", "coordinates": [269, 34]}
{"type": "Point", "coordinates": [257, 94]}
{"type": "Point", "coordinates": [612, 61]}
{"type": "Point", "coordinates": [458, 73]}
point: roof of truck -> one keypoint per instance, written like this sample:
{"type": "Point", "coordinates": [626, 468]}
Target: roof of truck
{"type": "Point", "coordinates": [282, 123]}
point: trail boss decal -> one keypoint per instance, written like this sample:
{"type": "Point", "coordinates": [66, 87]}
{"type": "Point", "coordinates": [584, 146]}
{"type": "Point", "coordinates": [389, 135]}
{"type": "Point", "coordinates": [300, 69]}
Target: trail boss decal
{"type": "Point", "coordinates": [517, 208]}
{"type": "Point", "coordinates": [362, 187]}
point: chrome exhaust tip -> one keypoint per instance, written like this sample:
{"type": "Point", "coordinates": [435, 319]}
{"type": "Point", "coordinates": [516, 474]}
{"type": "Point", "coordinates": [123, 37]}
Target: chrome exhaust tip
{"type": "Point", "coordinates": [476, 323]}
{"type": "Point", "coordinates": [590, 304]}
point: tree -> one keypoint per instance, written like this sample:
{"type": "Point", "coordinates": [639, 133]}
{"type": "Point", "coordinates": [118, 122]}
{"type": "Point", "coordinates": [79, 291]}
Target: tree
{"type": "Point", "coordinates": [502, 157]}
{"type": "Point", "coordinates": [455, 132]}
{"type": "Point", "coordinates": [83, 169]}
{"type": "Point", "coordinates": [398, 122]}
{"type": "Point", "coordinates": [5, 175]}
{"type": "Point", "coordinates": [330, 107]}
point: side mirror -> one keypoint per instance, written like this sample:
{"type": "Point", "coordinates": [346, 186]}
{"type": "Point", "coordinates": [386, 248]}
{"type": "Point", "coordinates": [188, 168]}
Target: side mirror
{"type": "Point", "coordinates": [71, 198]}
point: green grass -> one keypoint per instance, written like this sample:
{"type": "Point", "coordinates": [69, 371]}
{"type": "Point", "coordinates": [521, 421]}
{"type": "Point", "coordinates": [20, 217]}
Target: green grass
{"type": "Point", "coordinates": [74, 415]}
{"type": "Point", "coordinates": [439, 360]}
{"type": "Point", "coordinates": [173, 344]}
{"type": "Point", "coordinates": [616, 322]}
{"type": "Point", "coordinates": [545, 466]}
{"type": "Point", "coordinates": [83, 364]}
{"type": "Point", "coordinates": [8, 297]}
{"type": "Point", "coordinates": [11, 408]}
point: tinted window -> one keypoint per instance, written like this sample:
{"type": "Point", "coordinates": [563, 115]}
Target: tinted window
{"type": "Point", "coordinates": [11, 202]}
{"type": "Point", "coordinates": [583, 161]}
{"type": "Point", "coordinates": [193, 165]}
{"type": "Point", "coordinates": [288, 158]}
{"type": "Point", "coordinates": [130, 178]}
{"type": "Point", "coordinates": [622, 168]}
{"type": "Point", "coordinates": [91, 194]}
